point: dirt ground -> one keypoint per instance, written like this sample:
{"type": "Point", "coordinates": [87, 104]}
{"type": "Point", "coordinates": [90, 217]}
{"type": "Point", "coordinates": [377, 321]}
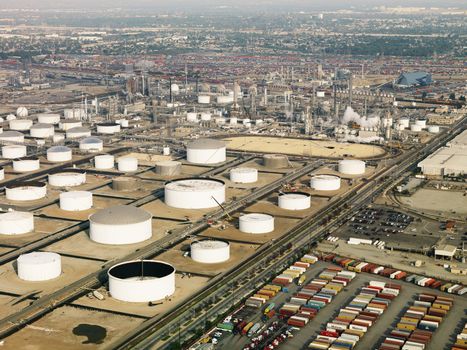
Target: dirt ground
{"type": "Point", "coordinates": [314, 148]}
{"type": "Point", "coordinates": [174, 256]}
{"type": "Point", "coordinates": [437, 201]}
{"type": "Point", "coordinates": [59, 325]}
{"type": "Point", "coordinates": [185, 287]}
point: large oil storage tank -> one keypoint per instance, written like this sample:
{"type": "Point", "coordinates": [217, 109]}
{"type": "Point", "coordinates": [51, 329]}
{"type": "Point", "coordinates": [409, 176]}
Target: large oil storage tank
{"type": "Point", "coordinates": [168, 168]}
{"type": "Point", "coordinates": [59, 154]}
{"type": "Point", "coordinates": [294, 200]}
{"type": "Point", "coordinates": [275, 161]}
{"type": "Point", "coordinates": [104, 162]}
{"type": "Point", "coordinates": [434, 129]}
{"type": "Point", "coordinates": [26, 164]}
{"type": "Point", "coordinates": [108, 128]}
{"type": "Point", "coordinates": [66, 125]}
{"type": "Point", "coordinates": [26, 191]}
{"type": "Point", "coordinates": [210, 251]}
{"type": "Point", "coordinates": [91, 144]}
{"type": "Point", "coordinates": [74, 113]}
{"type": "Point", "coordinates": [48, 118]}
{"type": "Point", "coordinates": [223, 99]}
{"type": "Point", "coordinates": [256, 223]}
{"type": "Point", "coordinates": [206, 151]}
{"type": "Point", "coordinates": [127, 164]}
{"type": "Point", "coordinates": [121, 224]}
{"type": "Point", "coordinates": [415, 128]}
{"type": "Point", "coordinates": [204, 99]}
{"type": "Point", "coordinates": [192, 117]}
{"type": "Point", "coordinates": [126, 183]}
{"type": "Point", "coordinates": [244, 175]}
{"type": "Point", "coordinates": [325, 182]}
{"type": "Point", "coordinates": [78, 132]}
{"type": "Point", "coordinates": [76, 200]}
{"type": "Point", "coordinates": [351, 167]}
{"type": "Point", "coordinates": [16, 223]}
{"type": "Point", "coordinates": [42, 131]}
{"type": "Point", "coordinates": [11, 136]}
{"type": "Point", "coordinates": [405, 122]}
{"type": "Point", "coordinates": [39, 266]}
{"type": "Point", "coordinates": [20, 124]}
{"type": "Point", "coordinates": [141, 281]}
{"type": "Point", "coordinates": [421, 123]}
{"type": "Point", "coordinates": [14, 151]}
{"type": "Point", "coordinates": [67, 177]}
{"type": "Point", "coordinates": [194, 193]}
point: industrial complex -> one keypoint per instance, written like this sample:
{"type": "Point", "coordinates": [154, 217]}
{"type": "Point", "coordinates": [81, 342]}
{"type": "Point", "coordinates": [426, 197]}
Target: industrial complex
{"type": "Point", "coordinates": [303, 205]}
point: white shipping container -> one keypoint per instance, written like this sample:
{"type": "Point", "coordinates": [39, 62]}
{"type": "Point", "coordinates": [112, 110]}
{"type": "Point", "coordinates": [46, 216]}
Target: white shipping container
{"type": "Point", "coordinates": [378, 283]}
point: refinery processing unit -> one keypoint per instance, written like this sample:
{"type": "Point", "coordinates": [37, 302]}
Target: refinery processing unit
{"type": "Point", "coordinates": [239, 202]}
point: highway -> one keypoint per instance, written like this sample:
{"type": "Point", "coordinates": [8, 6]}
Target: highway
{"type": "Point", "coordinates": [266, 263]}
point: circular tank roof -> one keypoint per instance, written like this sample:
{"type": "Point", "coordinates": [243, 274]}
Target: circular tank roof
{"type": "Point", "coordinates": [210, 244]}
{"type": "Point", "coordinates": [14, 216]}
{"type": "Point", "coordinates": [256, 217]}
{"type": "Point", "coordinates": [120, 215]}
{"type": "Point", "coordinates": [42, 126]}
{"type": "Point", "coordinates": [59, 149]}
{"type": "Point", "coordinates": [206, 144]}
{"type": "Point", "coordinates": [325, 177]}
{"type": "Point", "coordinates": [77, 129]}
{"type": "Point", "coordinates": [295, 195]}
{"type": "Point", "coordinates": [193, 184]}
{"type": "Point", "coordinates": [142, 269]}
{"type": "Point", "coordinates": [38, 258]}
{"type": "Point", "coordinates": [11, 133]}
{"type": "Point", "coordinates": [168, 163]}
{"type": "Point", "coordinates": [91, 140]}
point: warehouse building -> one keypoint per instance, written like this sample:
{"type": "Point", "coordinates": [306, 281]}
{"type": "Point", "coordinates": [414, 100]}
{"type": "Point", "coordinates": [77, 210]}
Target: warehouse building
{"type": "Point", "coordinates": [410, 79]}
{"type": "Point", "coordinates": [449, 160]}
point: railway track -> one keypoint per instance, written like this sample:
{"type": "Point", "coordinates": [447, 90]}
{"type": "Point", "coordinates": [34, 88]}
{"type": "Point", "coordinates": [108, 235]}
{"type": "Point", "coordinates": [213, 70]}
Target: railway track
{"type": "Point", "coordinates": [154, 329]}
{"type": "Point", "coordinates": [47, 303]}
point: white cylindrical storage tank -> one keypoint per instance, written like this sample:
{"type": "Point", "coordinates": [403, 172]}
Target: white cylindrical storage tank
{"type": "Point", "coordinates": [320, 93]}
{"type": "Point", "coordinates": [210, 251]}
{"type": "Point", "coordinates": [204, 99]}
{"type": "Point", "coordinates": [415, 128]}
{"type": "Point", "coordinates": [59, 154]}
{"type": "Point", "coordinates": [57, 138]}
{"type": "Point", "coordinates": [405, 122]}
{"type": "Point", "coordinates": [108, 128]}
{"type": "Point", "coordinates": [16, 223]}
{"type": "Point", "coordinates": [78, 132]}
{"type": "Point", "coordinates": [39, 266]}
{"type": "Point", "coordinates": [233, 121]}
{"type": "Point", "coordinates": [26, 191]}
{"type": "Point", "coordinates": [256, 223]}
{"type": "Point", "coordinates": [244, 175]}
{"type": "Point", "coordinates": [275, 161]}
{"type": "Point", "coordinates": [24, 165]}
{"type": "Point", "coordinates": [294, 201]}
{"type": "Point", "coordinates": [22, 112]}
{"type": "Point", "coordinates": [11, 136]}
{"type": "Point", "coordinates": [141, 281]}
{"type": "Point", "coordinates": [351, 167]}
{"type": "Point", "coordinates": [205, 116]}
{"type": "Point", "coordinates": [48, 118]}
{"type": "Point", "coordinates": [192, 117]}
{"type": "Point", "coordinates": [20, 124]}
{"type": "Point", "coordinates": [166, 151]}
{"type": "Point", "coordinates": [433, 129]}
{"type": "Point", "coordinates": [421, 123]}
{"type": "Point", "coordinates": [42, 130]}
{"type": "Point", "coordinates": [104, 161]}
{"type": "Point", "coordinates": [325, 182]}
{"type": "Point", "coordinates": [10, 117]}
{"type": "Point", "coordinates": [74, 113]}
{"type": "Point", "coordinates": [194, 193]}
{"type": "Point", "coordinates": [121, 224]}
{"type": "Point", "coordinates": [66, 125]}
{"type": "Point", "coordinates": [91, 144]}
{"type": "Point", "coordinates": [123, 123]}
{"type": "Point", "coordinates": [127, 164]}
{"type": "Point", "coordinates": [67, 178]}
{"type": "Point", "coordinates": [14, 151]}
{"type": "Point", "coordinates": [168, 168]}
{"type": "Point", "coordinates": [76, 200]}
{"type": "Point", "coordinates": [2, 173]}
{"type": "Point", "coordinates": [206, 151]}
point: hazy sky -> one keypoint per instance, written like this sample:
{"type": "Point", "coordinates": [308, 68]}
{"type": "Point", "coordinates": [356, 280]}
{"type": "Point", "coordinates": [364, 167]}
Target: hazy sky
{"type": "Point", "coordinates": [189, 5]}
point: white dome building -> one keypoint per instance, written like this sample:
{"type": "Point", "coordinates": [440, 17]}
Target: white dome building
{"type": "Point", "coordinates": [141, 281]}
{"type": "Point", "coordinates": [39, 266]}
{"type": "Point", "coordinates": [16, 223]}
{"type": "Point", "coordinates": [351, 167]}
{"type": "Point", "coordinates": [210, 251]}
{"type": "Point", "coordinates": [294, 200]}
{"type": "Point", "coordinates": [325, 182]}
{"type": "Point", "coordinates": [244, 175]}
{"type": "Point", "coordinates": [22, 112]}
{"type": "Point", "coordinates": [194, 193]}
{"type": "Point", "coordinates": [76, 200]}
{"type": "Point", "coordinates": [256, 223]}
{"type": "Point", "coordinates": [121, 224]}
{"type": "Point", "coordinates": [206, 151]}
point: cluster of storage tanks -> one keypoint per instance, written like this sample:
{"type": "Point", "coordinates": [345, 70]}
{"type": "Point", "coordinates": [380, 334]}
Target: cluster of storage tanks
{"type": "Point", "coordinates": [417, 125]}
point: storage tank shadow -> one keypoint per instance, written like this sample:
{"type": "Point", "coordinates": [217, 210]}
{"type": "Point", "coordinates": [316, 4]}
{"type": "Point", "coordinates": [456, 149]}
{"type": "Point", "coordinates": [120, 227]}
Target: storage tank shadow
{"type": "Point", "coordinates": [95, 334]}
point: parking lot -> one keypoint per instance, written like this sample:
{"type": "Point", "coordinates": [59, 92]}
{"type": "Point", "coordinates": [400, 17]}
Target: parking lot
{"type": "Point", "coordinates": [296, 338]}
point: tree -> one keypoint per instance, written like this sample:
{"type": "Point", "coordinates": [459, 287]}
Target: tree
{"type": "Point", "coordinates": [462, 98]}
{"type": "Point", "coordinates": [452, 96]}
